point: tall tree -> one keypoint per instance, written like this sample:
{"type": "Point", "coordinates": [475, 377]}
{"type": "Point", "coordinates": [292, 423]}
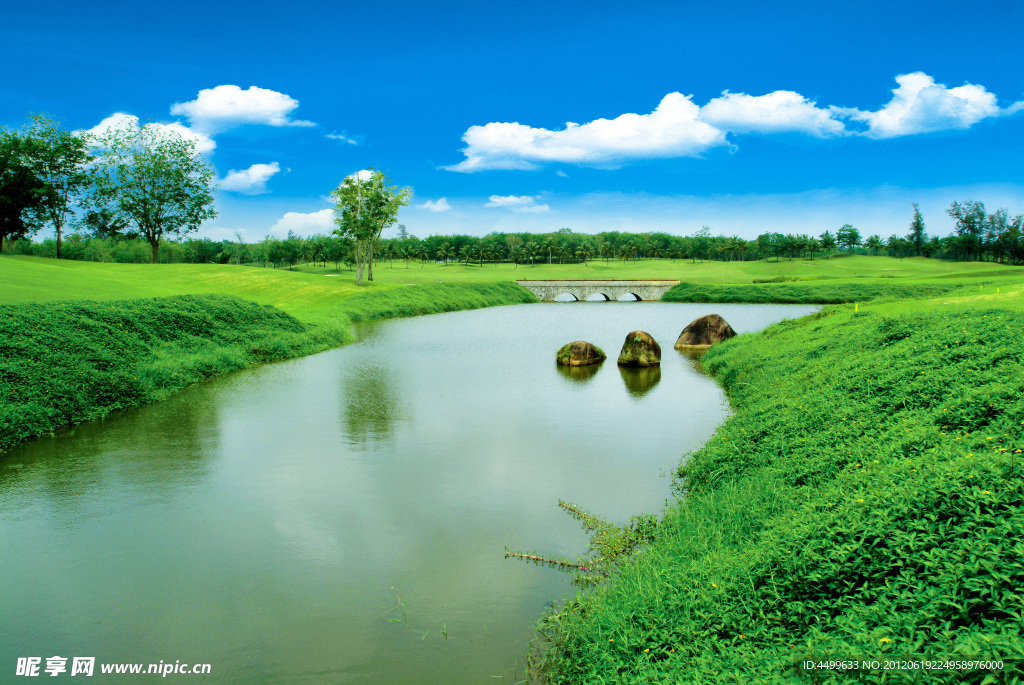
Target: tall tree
{"type": "Point", "coordinates": [155, 181]}
{"type": "Point", "coordinates": [364, 206]}
{"type": "Point", "coordinates": [60, 159]}
{"type": "Point", "coordinates": [22, 191]}
{"type": "Point", "coordinates": [828, 242]}
{"type": "Point", "coordinates": [970, 220]}
{"type": "Point", "coordinates": [847, 236]}
{"type": "Point", "coordinates": [917, 237]}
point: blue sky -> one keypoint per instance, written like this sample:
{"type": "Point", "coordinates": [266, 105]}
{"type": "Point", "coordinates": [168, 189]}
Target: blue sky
{"type": "Point", "coordinates": [745, 116]}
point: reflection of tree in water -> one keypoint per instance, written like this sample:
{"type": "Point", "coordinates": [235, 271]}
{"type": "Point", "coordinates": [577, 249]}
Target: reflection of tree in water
{"type": "Point", "coordinates": [639, 381]}
{"type": "Point", "coordinates": [578, 374]}
{"type": "Point", "coordinates": [371, 405]}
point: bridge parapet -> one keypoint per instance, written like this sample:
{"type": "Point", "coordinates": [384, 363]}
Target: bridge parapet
{"type": "Point", "coordinates": [547, 291]}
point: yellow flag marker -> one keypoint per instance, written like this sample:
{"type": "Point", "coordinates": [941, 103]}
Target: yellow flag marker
{"type": "Point", "coordinates": [855, 305]}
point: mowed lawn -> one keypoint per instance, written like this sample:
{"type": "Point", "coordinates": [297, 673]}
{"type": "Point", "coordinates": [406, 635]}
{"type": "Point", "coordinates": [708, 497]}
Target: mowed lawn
{"type": "Point", "coordinates": [311, 293]}
{"type": "Point", "coordinates": [843, 268]}
{"type": "Point", "coordinates": [306, 296]}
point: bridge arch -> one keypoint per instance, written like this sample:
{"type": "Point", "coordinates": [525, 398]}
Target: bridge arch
{"type": "Point", "coordinates": [647, 290]}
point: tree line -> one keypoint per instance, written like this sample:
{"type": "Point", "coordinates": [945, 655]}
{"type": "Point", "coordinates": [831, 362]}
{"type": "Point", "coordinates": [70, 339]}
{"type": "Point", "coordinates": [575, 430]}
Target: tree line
{"type": "Point", "coordinates": [135, 194]}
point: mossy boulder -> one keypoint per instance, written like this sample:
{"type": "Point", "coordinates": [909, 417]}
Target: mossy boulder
{"type": "Point", "coordinates": [640, 349]}
{"type": "Point", "coordinates": [580, 353]}
{"type": "Point", "coordinates": [705, 332]}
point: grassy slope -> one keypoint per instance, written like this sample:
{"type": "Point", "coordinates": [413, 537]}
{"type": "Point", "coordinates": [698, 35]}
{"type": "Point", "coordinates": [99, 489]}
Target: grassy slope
{"type": "Point", "coordinates": [864, 501]}
{"type": "Point", "coordinates": [72, 349]}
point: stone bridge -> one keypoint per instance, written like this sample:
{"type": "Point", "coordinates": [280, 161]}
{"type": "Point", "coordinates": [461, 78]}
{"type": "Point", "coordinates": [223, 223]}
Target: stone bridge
{"type": "Point", "coordinates": [547, 291]}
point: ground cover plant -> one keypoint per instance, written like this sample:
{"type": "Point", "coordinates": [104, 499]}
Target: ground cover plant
{"type": "Point", "coordinates": [864, 502]}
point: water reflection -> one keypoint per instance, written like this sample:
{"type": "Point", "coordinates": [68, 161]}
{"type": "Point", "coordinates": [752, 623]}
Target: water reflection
{"type": "Point", "coordinates": [693, 353]}
{"type": "Point", "coordinates": [640, 380]}
{"type": "Point", "coordinates": [371, 406]}
{"type": "Point", "coordinates": [269, 521]}
{"type": "Point", "coordinates": [578, 374]}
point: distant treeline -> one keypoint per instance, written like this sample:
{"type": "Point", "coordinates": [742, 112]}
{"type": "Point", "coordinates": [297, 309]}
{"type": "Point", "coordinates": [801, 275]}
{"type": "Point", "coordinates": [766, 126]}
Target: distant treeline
{"type": "Point", "coordinates": [977, 235]}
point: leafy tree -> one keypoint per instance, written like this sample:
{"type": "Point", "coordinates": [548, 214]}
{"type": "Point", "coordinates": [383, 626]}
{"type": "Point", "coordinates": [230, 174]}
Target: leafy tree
{"type": "Point", "coordinates": [847, 236]}
{"type": "Point", "coordinates": [60, 159]}
{"type": "Point", "coordinates": [22, 192]}
{"type": "Point", "coordinates": [364, 206]}
{"type": "Point", "coordinates": [970, 220]}
{"type": "Point", "coordinates": [917, 237]}
{"type": "Point", "coordinates": [154, 181]}
{"type": "Point", "coordinates": [874, 243]}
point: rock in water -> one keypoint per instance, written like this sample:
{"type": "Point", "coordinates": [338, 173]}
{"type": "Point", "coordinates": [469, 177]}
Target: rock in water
{"type": "Point", "coordinates": [705, 332]}
{"type": "Point", "coordinates": [580, 353]}
{"type": "Point", "coordinates": [640, 349]}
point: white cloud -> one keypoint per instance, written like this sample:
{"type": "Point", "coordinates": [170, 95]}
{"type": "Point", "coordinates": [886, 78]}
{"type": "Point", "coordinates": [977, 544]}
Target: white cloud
{"type": "Point", "coordinates": [251, 181]}
{"type": "Point", "coordinates": [436, 205]}
{"type": "Point", "coordinates": [679, 128]}
{"type": "Point", "coordinates": [226, 106]}
{"type": "Point", "coordinates": [561, 173]}
{"type": "Point", "coordinates": [777, 112]}
{"type": "Point", "coordinates": [305, 224]}
{"type": "Point", "coordinates": [342, 137]}
{"type": "Point", "coordinates": [203, 142]}
{"type": "Point", "coordinates": [673, 129]}
{"type": "Point", "coordinates": [517, 203]}
{"type": "Point", "coordinates": [919, 105]}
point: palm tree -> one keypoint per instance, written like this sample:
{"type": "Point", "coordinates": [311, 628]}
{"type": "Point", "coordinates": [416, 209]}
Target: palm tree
{"type": "Point", "coordinates": [873, 243]}
{"type": "Point", "coordinates": [546, 246]}
{"type": "Point", "coordinates": [828, 242]}
{"type": "Point", "coordinates": [445, 252]}
{"type": "Point", "coordinates": [531, 249]}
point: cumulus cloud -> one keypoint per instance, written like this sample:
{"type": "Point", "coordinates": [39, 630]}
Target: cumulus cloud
{"type": "Point", "coordinates": [227, 106]}
{"type": "Point", "coordinates": [920, 105]}
{"type": "Point", "coordinates": [436, 205]}
{"type": "Point", "coordinates": [679, 128]}
{"type": "Point", "coordinates": [305, 224]}
{"type": "Point", "coordinates": [781, 111]}
{"type": "Point", "coordinates": [251, 181]}
{"type": "Point", "coordinates": [118, 120]}
{"type": "Point", "coordinates": [673, 129]}
{"type": "Point", "coordinates": [517, 203]}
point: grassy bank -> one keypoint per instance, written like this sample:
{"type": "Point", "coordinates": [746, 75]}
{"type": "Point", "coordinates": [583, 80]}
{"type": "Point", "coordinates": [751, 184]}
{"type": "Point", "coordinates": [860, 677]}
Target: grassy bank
{"type": "Point", "coordinates": [820, 292]}
{"type": "Point", "coordinates": [864, 502]}
{"type": "Point", "coordinates": [62, 363]}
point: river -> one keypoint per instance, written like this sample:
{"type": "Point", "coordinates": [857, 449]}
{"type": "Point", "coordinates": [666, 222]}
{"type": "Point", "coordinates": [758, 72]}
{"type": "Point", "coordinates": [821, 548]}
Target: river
{"type": "Point", "coordinates": [342, 518]}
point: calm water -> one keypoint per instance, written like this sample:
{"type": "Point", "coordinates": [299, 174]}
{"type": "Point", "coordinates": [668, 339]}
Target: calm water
{"type": "Point", "coordinates": [329, 519]}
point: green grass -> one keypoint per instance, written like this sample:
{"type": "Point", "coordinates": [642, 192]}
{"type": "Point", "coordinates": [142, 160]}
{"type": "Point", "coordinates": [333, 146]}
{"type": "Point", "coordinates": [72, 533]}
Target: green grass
{"type": "Point", "coordinates": [72, 350]}
{"type": "Point", "coordinates": [864, 501]}
{"type": "Point", "coordinates": [842, 268]}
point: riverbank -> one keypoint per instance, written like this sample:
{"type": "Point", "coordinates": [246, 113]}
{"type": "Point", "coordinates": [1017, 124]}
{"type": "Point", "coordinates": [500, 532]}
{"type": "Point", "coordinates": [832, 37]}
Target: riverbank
{"type": "Point", "coordinates": [62, 363]}
{"type": "Point", "coordinates": [864, 502]}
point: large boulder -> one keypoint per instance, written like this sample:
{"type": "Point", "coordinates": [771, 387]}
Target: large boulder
{"type": "Point", "coordinates": [640, 349]}
{"type": "Point", "coordinates": [705, 332]}
{"type": "Point", "coordinates": [580, 353]}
